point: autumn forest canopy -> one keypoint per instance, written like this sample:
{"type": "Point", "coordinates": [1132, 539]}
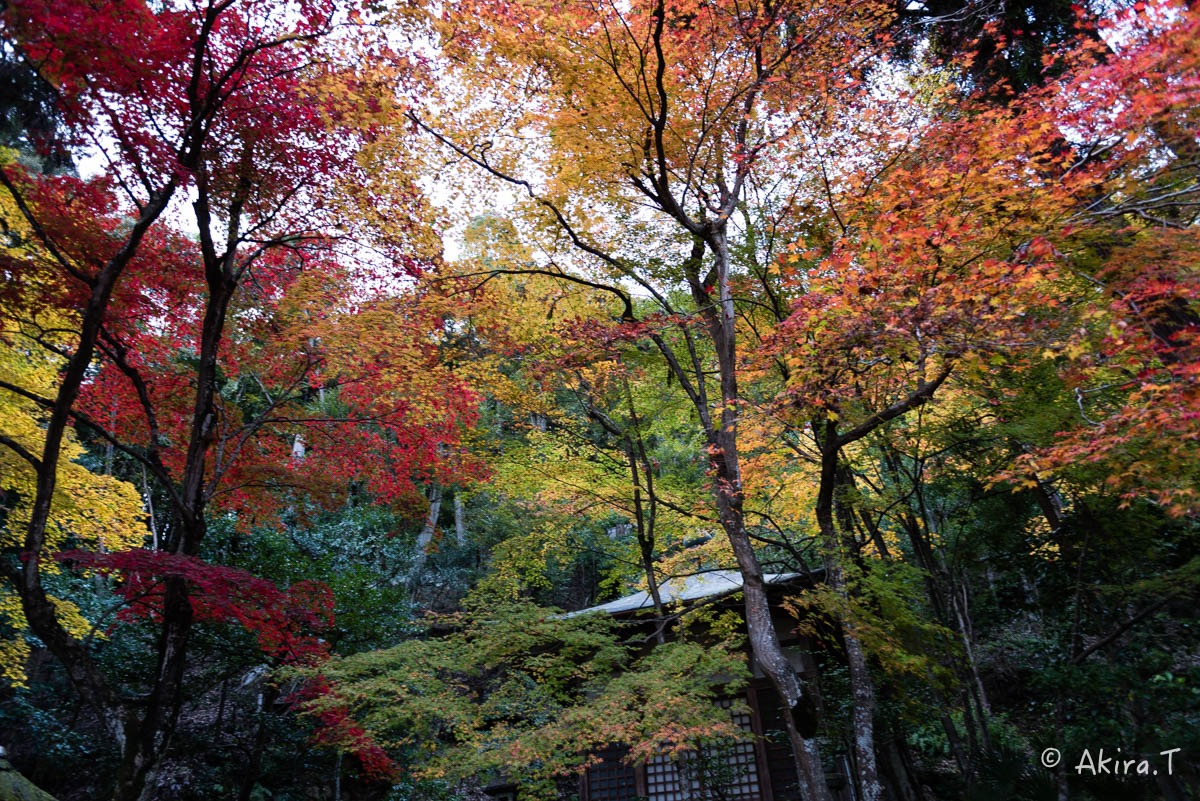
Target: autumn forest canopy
{"type": "Point", "coordinates": [845, 353]}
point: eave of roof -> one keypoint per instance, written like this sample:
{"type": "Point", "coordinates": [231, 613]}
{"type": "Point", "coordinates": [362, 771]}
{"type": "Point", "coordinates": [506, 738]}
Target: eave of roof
{"type": "Point", "coordinates": [684, 588]}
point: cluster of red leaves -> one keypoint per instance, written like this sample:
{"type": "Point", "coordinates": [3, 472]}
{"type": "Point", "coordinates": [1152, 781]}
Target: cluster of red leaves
{"type": "Point", "coordinates": [291, 337]}
{"type": "Point", "coordinates": [285, 623]}
{"type": "Point", "coordinates": [940, 258]}
{"type": "Point", "coordinates": [1138, 384]}
{"type": "Point", "coordinates": [337, 729]}
{"type": "Point", "coordinates": [971, 244]}
{"type": "Point", "coordinates": [124, 66]}
{"type": "Point", "coordinates": [283, 132]}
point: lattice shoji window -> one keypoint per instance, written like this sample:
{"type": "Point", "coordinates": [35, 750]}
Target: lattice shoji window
{"type": "Point", "coordinates": [611, 779]}
{"type": "Point", "coordinates": [663, 782]}
{"type": "Point", "coordinates": [724, 773]}
{"type": "Point", "coordinates": [739, 761]}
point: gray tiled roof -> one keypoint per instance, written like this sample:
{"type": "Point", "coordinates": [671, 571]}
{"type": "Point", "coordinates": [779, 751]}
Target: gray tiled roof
{"type": "Point", "coordinates": [684, 588]}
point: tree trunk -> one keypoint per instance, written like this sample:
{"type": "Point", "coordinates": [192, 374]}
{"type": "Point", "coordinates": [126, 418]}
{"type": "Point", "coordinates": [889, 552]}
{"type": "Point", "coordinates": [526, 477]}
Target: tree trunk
{"type": "Point", "coordinates": [975, 690]}
{"type": "Point", "coordinates": [427, 531]}
{"type": "Point", "coordinates": [799, 713]}
{"type": "Point", "coordinates": [221, 709]}
{"type": "Point", "coordinates": [862, 686]}
{"type": "Point", "coordinates": [39, 610]}
{"type": "Point", "coordinates": [460, 520]}
{"type": "Point", "coordinates": [953, 736]}
{"type": "Point", "coordinates": [250, 777]}
{"type": "Point", "coordinates": [645, 535]}
{"type": "Point", "coordinates": [147, 741]}
{"type": "Point", "coordinates": [903, 783]}
{"type": "Point", "coordinates": [863, 691]}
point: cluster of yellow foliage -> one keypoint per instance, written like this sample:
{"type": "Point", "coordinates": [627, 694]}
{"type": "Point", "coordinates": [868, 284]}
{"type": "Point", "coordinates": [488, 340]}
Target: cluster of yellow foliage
{"type": "Point", "coordinates": [88, 509]}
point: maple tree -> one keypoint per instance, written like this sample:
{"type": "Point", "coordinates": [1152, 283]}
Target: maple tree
{"type": "Point", "coordinates": [1004, 312]}
{"type": "Point", "coordinates": [530, 692]}
{"type": "Point", "coordinates": [932, 263]}
{"type": "Point", "coordinates": [995, 275]}
{"type": "Point", "coordinates": [677, 107]}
